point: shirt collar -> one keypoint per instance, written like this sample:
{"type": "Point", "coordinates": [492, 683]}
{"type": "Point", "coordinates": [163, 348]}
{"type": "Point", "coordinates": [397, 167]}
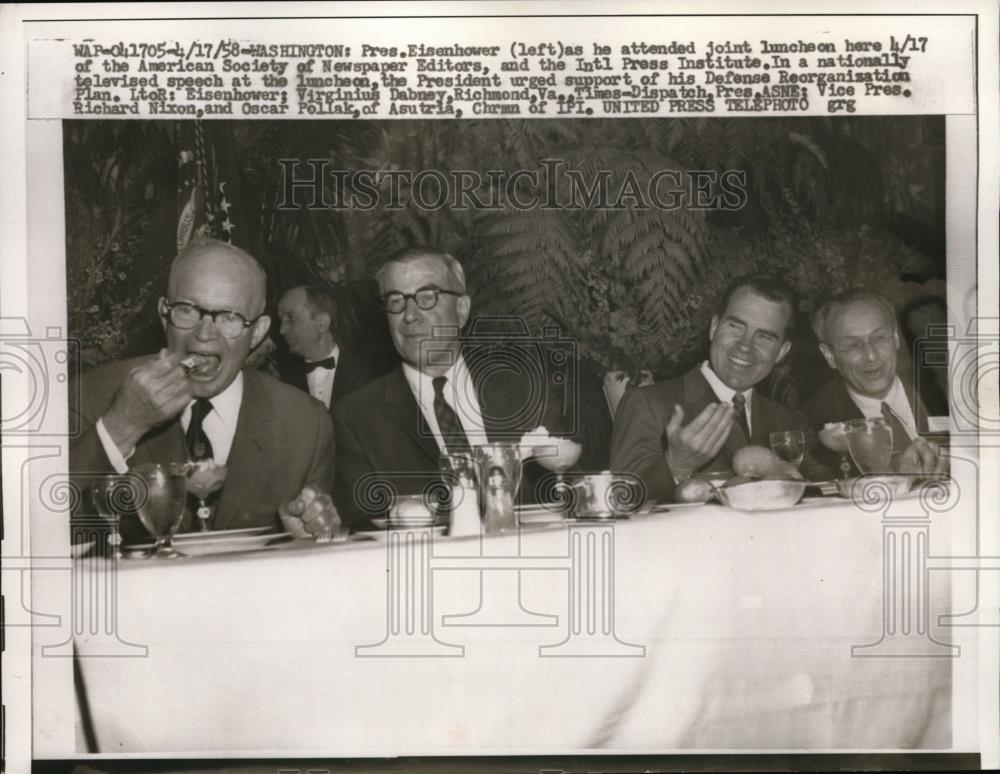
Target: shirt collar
{"type": "Point", "coordinates": [873, 406]}
{"type": "Point", "coordinates": [423, 384]}
{"type": "Point", "coordinates": [227, 403]}
{"type": "Point", "coordinates": [721, 389]}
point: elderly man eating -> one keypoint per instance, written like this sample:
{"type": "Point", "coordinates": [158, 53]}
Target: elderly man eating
{"type": "Point", "coordinates": [195, 401]}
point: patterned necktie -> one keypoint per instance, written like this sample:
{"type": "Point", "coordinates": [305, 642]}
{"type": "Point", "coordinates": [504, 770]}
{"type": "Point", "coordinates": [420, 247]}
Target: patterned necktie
{"type": "Point", "coordinates": [198, 445]}
{"type": "Point", "coordinates": [328, 363]}
{"type": "Point", "coordinates": [900, 438]}
{"type": "Point", "coordinates": [454, 436]}
{"type": "Point", "coordinates": [740, 407]}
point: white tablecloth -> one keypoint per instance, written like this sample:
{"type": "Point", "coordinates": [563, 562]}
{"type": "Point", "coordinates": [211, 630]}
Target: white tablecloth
{"type": "Point", "coordinates": [743, 626]}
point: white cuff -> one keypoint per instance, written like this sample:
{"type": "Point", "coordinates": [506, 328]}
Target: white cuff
{"type": "Point", "coordinates": [118, 462]}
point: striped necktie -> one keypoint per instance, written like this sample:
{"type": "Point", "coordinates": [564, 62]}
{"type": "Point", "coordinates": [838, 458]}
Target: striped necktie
{"type": "Point", "coordinates": [900, 438]}
{"type": "Point", "coordinates": [740, 406]}
{"type": "Point", "coordinates": [451, 429]}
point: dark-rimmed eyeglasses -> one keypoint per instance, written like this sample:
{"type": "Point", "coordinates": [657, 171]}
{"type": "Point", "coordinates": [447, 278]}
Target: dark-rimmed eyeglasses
{"type": "Point", "coordinates": [425, 298]}
{"type": "Point", "coordinates": [185, 316]}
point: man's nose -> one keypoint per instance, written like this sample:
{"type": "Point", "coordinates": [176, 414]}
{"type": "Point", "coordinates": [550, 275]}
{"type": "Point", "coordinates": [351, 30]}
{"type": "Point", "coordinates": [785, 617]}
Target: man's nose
{"type": "Point", "coordinates": [411, 312]}
{"type": "Point", "coordinates": [205, 330]}
{"type": "Point", "coordinates": [745, 341]}
{"type": "Point", "coordinates": [869, 353]}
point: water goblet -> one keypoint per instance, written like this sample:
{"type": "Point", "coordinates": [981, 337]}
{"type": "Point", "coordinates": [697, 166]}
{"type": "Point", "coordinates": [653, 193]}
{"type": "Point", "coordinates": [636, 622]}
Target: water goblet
{"type": "Point", "coordinates": [833, 436]}
{"type": "Point", "coordinates": [114, 497]}
{"type": "Point", "coordinates": [160, 503]}
{"type": "Point", "coordinates": [498, 472]}
{"type": "Point", "coordinates": [789, 445]}
{"type": "Point", "coordinates": [869, 442]}
{"type": "Point", "coordinates": [558, 455]}
{"type": "Point", "coordinates": [204, 479]}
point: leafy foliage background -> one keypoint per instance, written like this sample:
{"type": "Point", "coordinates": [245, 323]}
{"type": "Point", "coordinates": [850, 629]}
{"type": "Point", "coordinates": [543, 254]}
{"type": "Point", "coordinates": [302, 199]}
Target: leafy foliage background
{"type": "Point", "coordinates": [831, 202]}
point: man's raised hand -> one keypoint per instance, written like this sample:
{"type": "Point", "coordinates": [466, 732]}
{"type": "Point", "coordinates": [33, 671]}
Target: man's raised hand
{"type": "Point", "coordinates": [151, 394]}
{"type": "Point", "coordinates": [691, 447]}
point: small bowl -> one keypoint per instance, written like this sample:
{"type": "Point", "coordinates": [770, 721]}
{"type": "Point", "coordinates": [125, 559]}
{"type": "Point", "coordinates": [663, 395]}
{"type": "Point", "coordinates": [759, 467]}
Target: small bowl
{"type": "Point", "coordinates": [766, 495]}
{"type": "Point", "coordinates": [897, 485]}
{"type": "Point", "coordinates": [411, 511]}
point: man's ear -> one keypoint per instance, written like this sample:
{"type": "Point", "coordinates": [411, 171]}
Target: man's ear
{"type": "Point", "coordinates": [785, 349]}
{"type": "Point", "coordinates": [161, 308]}
{"type": "Point", "coordinates": [712, 326]}
{"type": "Point", "coordinates": [463, 306]}
{"type": "Point", "coordinates": [260, 329]}
{"type": "Point", "coordinates": [324, 320]}
{"type": "Point", "coordinates": [828, 356]}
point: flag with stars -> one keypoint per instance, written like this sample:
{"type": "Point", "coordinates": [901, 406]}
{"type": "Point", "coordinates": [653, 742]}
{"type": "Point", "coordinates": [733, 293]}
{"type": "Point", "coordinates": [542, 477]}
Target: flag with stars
{"type": "Point", "coordinates": [209, 185]}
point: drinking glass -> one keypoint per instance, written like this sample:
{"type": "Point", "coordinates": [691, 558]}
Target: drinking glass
{"type": "Point", "coordinates": [160, 503]}
{"type": "Point", "coordinates": [869, 442]}
{"type": "Point", "coordinates": [204, 479]}
{"type": "Point", "coordinates": [789, 445]}
{"type": "Point", "coordinates": [498, 469]}
{"type": "Point", "coordinates": [114, 497]}
{"type": "Point", "coordinates": [560, 454]}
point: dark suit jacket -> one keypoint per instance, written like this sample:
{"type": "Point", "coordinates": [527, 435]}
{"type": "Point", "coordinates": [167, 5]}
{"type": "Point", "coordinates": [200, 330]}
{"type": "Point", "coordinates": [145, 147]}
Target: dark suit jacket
{"type": "Point", "coordinates": [349, 375]}
{"type": "Point", "coordinates": [283, 441]}
{"type": "Point", "coordinates": [638, 442]}
{"type": "Point", "coordinates": [833, 403]}
{"type": "Point", "coordinates": [380, 441]}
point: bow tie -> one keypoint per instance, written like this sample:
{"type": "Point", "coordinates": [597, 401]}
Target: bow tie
{"type": "Point", "coordinates": [328, 363]}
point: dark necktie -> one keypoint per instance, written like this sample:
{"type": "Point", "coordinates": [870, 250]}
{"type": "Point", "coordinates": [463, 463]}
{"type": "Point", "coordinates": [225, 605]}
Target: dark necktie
{"type": "Point", "coordinates": [329, 363]}
{"type": "Point", "coordinates": [198, 445]}
{"type": "Point", "coordinates": [198, 448]}
{"type": "Point", "coordinates": [740, 407]}
{"type": "Point", "coordinates": [454, 436]}
{"type": "Point", "coordinates": [900, 438]}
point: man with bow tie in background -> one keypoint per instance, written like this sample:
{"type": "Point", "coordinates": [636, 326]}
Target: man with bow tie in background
{"type": "Point", "coordinates": [308, 317]}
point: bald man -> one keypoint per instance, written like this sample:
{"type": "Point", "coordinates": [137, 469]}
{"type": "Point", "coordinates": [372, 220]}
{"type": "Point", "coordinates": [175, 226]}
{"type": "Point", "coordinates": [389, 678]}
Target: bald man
{"type": "Point", "coordinates": [195, 400]}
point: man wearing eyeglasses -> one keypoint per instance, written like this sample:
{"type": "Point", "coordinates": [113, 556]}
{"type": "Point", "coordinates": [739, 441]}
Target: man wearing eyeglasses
{"type": "Point", "coordinates": [859, 339]}
{"type": "Point", "coordinates": [439, 400]}
{"type": "Point", "coordinates": [194, 401]}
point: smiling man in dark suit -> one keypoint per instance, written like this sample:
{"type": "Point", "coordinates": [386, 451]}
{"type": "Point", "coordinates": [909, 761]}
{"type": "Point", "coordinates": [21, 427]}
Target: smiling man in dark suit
{"type": "Point", "coordinates": [859, 339]}
{"type": "Point", "coordinates": [748, 336]}
{"type": "Point", "coordinates": [444, 397]}
{"type": "Point", "coordinates": [275, 441]}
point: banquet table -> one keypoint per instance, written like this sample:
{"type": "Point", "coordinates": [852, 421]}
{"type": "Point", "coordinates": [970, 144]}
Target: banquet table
{"type": "Point", "coordinates": [697, 628]}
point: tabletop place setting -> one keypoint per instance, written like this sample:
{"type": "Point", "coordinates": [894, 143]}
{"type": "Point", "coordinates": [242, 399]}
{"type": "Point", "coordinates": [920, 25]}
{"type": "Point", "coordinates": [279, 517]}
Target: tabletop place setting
{"type": "Point", "coordinates": [479, 489]}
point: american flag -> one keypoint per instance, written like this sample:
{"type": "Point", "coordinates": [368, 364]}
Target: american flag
{"type": "Point", "coordinates": [207, 184]}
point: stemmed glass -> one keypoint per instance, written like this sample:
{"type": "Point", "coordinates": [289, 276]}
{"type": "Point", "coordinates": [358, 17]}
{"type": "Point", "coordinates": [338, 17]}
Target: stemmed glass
{"type": "Point", "coordinates": [833, 436]}
{"type": "Point", "coordinates": [204, 478]}
{"type": "Point", "coordinates": [114, 496]}
{"type": "Point", "coordinates": [567, 453]}
{"type": "Point", "coordinates": [160, 503]}
{"type": "Point", "coordinates": [789, 445]}
{"type": "Point", "coordinates": [870, 444]}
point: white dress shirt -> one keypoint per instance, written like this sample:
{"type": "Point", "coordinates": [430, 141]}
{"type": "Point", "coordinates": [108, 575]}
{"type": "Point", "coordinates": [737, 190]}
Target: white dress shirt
{"type": "Point", "coordinates": [219, 425]}
{"type": "Point", "coordinates": [459, 393]}
{"type": "Point", "coordinates": [898, 402]}
{"type": "Point", "coordinates": [725, 393]}
{"type": "Point", "coordinates": [320, 380]}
